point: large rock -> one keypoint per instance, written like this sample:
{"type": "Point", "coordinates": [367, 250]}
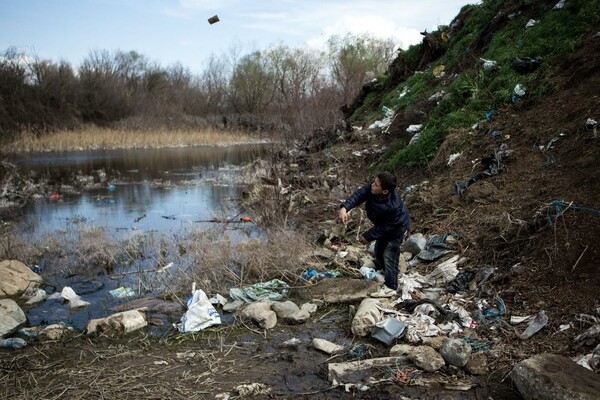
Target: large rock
{"type": "Point", "coordinates": [550, 376]}
{"type": "Point", "coordinates": [456, 352]}
{"type": "Point", "coordinates": [414, 244]}
{"type": "Point", "coordinates": [260, 313]}
{"type": "Point", "coordinates": [11, 316]}
{"type": "Point", "coordinates": [424, 357]}
{"type": "Point", "coordinates": [15, 278]}
{"type": "Point", "coordinates": [299, 317]}
{"type": "Point", "coordinates": [284, 309]}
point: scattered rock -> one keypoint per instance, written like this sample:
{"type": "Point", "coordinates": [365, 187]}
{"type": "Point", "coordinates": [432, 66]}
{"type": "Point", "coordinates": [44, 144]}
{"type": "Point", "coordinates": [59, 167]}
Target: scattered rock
{"type": "Point", "coordinates": [326, 346]}
{"type": "Point", "coordinates": [15, 278]}
{"type": "Point", "coordinates": [414, 244]}
{"type": "Point", "coordinates": [456, 352]}
{"type": "Point", "coordinates": [260, 313]}
{"type": "Point", "coordinates": [311, 308]}
{"type": "Point", "coordinates": [434, 341]}
{"type": "Point", "coordinates": [233, 306]}
{"type": "Point", "coordinates": [299, 317]}
{"type": "Point", "coordinates": [477, 364]}
{"type": "Point", "coordinates": [284, 309]}
{"type": "Point", "coordinates": [11, 316]}
{"type": "Point", "coordinates": [426, 358]}
{"type": "Point", "coordinates": [550, 376]}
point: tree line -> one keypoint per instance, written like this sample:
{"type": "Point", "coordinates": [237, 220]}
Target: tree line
{"type": "Point", "coordinates": [277, 91]}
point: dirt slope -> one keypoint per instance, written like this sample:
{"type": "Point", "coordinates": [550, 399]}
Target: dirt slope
{"type": "Point", "coordinates": [541, 214]}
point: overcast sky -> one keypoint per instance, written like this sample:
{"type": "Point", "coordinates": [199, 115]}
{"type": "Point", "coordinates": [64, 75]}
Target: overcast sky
{"type": "Point", "coordinates": [170, 31]}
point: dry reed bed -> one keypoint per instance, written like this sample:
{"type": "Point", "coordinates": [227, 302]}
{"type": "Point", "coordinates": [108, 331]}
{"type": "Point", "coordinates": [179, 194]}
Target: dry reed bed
{"type": "Point", "coordinates": [141, 369]}
{"type": "Point", "coordinates": [99, 138]}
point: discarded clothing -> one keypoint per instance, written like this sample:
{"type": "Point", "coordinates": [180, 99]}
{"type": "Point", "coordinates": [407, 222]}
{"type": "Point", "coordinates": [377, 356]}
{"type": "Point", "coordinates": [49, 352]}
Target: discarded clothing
{"type": "Point", "coordinates": [273, 290]}
{"type": "Point", "coordinates": [493, 166]}
{"type": "Point", "coordinates": [525, 65]}
{"type": "Point", "coordinates": [435, 248]}
{"type": "Point", "coordinates": [461, 282]}
{"type": "Point", "coordinates": [313, 276]}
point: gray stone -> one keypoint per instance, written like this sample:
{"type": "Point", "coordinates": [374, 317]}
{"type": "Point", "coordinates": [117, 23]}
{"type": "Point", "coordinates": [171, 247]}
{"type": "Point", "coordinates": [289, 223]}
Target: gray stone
{"type": "Point", "coordinates": [414, 244]}
{"type": "Point", "coordinates": [311, 308]}
{"type": "Point", "coordinates": [326, 346]}
{"type": "Point", "coordinates": [15, 278]}
{"type": "Point", "coordinates": [260, 313]}
{"type": "Point", "coordinates": [299, 317]}
{"type": "Point", "coordinates": [456, 352]}
{"type": "Point", "coordinates": [550, 376]}
{"type": "Point", "coordinates": [426, 358]}
{"type": "Point", "coordinates": [477, 364]}
{"type": "Point", "coordinates": [284, 309]}
{"type": "Point", "coordinates": [400, 350]}
{"type": "Point", "coordinates": [11, 316]}
{"type": "Point", "coordinates": [434, 341]}
{"type": "Point", "coordinates": [233, 306]}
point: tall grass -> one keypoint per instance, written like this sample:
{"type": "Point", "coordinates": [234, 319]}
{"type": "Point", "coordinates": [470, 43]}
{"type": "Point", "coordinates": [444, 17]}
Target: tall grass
{"type": "Point", "coordinates": [93, 137]}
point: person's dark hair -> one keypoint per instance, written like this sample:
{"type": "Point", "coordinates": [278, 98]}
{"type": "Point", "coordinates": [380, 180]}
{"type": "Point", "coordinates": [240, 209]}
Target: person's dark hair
{"type": "Point", "coordinates": [388, 180]}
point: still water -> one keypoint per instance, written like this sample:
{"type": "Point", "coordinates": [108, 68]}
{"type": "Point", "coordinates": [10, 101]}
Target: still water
{"type": "Point", "coordinates": [162, 190]}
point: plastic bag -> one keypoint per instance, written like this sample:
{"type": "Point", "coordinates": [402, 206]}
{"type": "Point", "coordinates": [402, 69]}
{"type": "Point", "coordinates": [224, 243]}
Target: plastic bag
{"type": "Point", "coordinates": [200, 314]}
{"type": "Point", "coordinates": [73, 299]}
{"type": "Point", "coordinates": [537, 323]}
{"type": "Point", "coordinates": [13, 343]}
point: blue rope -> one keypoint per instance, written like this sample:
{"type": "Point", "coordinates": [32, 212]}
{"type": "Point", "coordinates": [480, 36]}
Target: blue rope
{"type": "Point", "coordinates": [560, 207]}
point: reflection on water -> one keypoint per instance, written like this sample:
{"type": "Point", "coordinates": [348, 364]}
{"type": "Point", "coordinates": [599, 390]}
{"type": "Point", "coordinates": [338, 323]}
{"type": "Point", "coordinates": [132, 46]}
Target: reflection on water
{"type": "Point", "coordinates": [136, 206]}
{"type": "Point", "coordinates": [165, 191]}
{"type": "Point", "coordinates": [142, 163]}
{"type": "Point", "coordinates": [197, 185]}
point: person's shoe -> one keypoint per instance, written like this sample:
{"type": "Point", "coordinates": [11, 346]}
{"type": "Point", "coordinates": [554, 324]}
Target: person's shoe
{"type": "Point", "coordinates": [384, 292]}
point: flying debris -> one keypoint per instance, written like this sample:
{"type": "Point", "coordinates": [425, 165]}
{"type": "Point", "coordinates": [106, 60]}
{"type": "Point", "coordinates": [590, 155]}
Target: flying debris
{"type": "Point", "coordinates": [214, 19]}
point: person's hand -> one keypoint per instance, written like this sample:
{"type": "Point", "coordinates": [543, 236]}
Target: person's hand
{"type": "Point", "coordinates": [343, 215]}
{"type": "Point", "coordinates": [363, 240]}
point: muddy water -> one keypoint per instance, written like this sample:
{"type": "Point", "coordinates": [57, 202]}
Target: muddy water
{"type": "Point", "coordinates": [162, 191]}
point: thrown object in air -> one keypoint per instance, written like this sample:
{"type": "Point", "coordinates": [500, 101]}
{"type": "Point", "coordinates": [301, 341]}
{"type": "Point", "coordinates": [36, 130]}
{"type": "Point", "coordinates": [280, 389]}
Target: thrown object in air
{"type": "Point", "coordinates": [214, 19]}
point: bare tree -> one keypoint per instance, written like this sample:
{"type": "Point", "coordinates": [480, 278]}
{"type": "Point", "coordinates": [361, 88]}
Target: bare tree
{"type": "Point", "coordinates": [354, 60]}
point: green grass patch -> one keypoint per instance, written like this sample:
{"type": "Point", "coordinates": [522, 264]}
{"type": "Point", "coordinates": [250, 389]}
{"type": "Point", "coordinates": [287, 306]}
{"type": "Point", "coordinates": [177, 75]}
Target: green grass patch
{"type": "Point", "coordinates": [478, 90]}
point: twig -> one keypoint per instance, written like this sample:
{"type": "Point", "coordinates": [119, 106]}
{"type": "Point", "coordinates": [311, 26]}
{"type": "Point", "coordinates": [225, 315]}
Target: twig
{"type": "Point", "coordinates": [581, 255]}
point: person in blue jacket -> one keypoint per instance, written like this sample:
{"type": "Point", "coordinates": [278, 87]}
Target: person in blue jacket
{"type": "Point", "coordinates": [391, 221]}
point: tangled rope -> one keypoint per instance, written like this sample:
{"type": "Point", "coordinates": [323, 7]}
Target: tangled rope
{"type": "Point", "coordinates": [560, 207]}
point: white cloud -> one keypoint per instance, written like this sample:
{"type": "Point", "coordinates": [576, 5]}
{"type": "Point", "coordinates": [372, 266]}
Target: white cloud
{"type": "Point", "coordinates": [401, 20]}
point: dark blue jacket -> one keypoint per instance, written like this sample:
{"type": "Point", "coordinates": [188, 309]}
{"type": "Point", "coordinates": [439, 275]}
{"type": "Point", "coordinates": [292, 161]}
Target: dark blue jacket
{"type": "Point", "coordinates": [389, 215]}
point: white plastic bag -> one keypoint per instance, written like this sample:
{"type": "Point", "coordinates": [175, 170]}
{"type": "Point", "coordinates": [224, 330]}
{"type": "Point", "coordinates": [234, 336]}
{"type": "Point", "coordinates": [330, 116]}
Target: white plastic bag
{"type": "Point", "coordinates": [73, 299]}
{"type": "Point", "coordinates": [200, 314]}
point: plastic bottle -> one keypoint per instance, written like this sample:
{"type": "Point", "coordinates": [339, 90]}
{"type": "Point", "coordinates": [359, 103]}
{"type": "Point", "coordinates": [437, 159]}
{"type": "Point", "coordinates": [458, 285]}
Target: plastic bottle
{"type": "Point", "coordinates": [13, 343]}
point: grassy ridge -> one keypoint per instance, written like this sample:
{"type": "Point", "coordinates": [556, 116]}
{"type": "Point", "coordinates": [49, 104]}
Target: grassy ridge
{"type": "Point", "coordinates": [494, 30]}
